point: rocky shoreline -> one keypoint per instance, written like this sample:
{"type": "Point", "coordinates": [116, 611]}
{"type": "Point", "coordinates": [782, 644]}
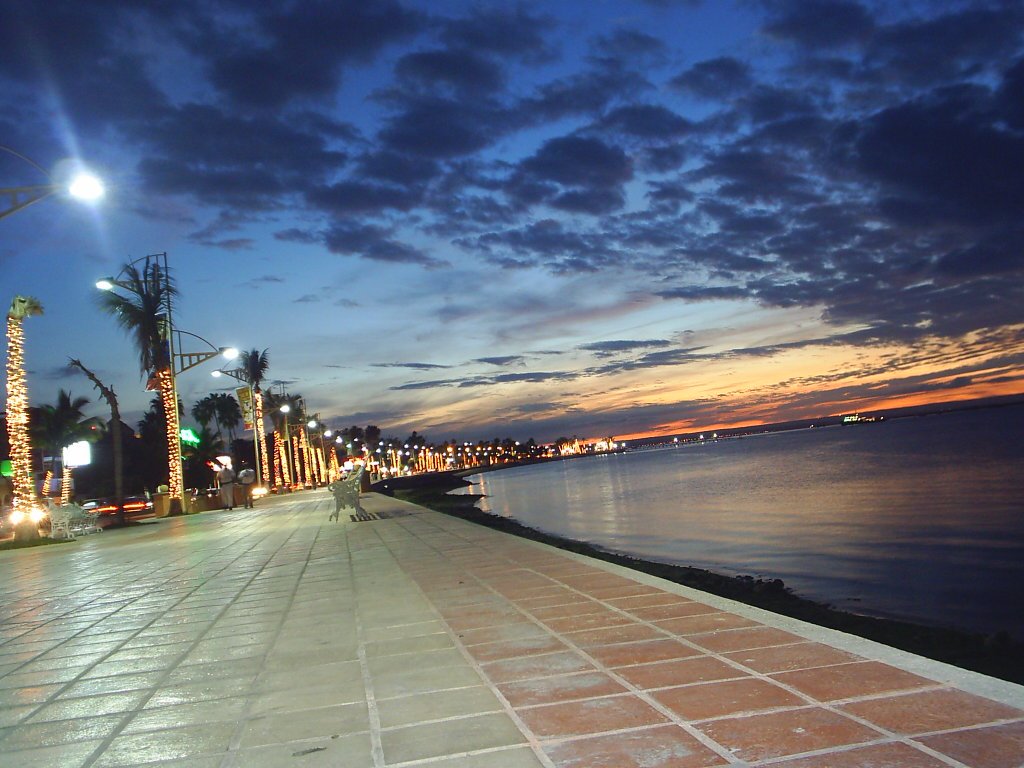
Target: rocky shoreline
{"type": "Point", "coordinates": [997, 655]}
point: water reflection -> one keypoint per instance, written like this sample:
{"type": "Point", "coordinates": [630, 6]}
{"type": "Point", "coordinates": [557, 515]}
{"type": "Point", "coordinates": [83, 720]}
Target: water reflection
{"type": "Point", "coordinates": [922, 518]}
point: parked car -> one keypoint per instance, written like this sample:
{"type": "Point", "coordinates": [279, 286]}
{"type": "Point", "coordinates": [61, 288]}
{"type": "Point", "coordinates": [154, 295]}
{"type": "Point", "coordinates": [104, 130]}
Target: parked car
{"type": "Point", "coordinates": [135, 507]}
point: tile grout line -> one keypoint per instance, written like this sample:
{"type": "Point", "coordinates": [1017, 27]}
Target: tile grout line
{"type": "Point", "coordinates": [376, 744]}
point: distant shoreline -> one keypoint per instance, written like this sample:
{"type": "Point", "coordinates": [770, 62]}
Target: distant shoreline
{"type": "Point", "coordinates": [997, 655]}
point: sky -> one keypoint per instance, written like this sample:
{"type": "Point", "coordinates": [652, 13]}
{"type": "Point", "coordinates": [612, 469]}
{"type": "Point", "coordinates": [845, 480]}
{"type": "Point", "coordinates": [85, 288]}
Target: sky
{"type": "Point", "coordinates": [489, 219]}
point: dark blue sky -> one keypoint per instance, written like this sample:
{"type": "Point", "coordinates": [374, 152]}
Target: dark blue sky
{"type": "Point", "coordinates": [480, 219]}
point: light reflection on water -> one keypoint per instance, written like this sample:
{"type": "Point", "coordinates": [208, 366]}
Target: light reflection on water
{"type": "Point", "coordinates": [920, 518]}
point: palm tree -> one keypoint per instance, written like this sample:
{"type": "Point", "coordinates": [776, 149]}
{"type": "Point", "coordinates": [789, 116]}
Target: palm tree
{"type": "Point", "coordinates": [24, 493]}
{"type": "Point", "coordinates": [204, 411]}
{"type": "Point", "coordinates": [228, 414]}
{"type": "Point", "coordinates": [143, 316]}
{"type": "Point", "coordinates": [254, 366]}
{"type": "Point", "coordinates": [116, 438]}
{"type": "Point", "coordinates": [55, 426]}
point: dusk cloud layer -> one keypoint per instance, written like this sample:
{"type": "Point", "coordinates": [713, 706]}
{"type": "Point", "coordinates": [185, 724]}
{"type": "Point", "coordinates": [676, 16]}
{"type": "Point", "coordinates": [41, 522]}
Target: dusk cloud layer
{"type": "Point", "coordinates": [700, 212]}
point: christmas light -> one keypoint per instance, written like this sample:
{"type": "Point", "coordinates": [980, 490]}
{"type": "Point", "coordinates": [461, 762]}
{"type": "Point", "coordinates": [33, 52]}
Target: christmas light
{"type": "Point", "coordinates": [17, 413]}
{"type": "Point", "coordinates": [165, 383]}
{"type": "Point", "coordinates": [65, 486]}
{"type": "Point", "coordinates": [261, 434]}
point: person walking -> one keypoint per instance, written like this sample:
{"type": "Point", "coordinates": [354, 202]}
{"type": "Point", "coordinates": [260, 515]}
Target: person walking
{"type": "Point", "coordinates": [247, 478]}
{"type": "Point", "coordinates": [226, 480]}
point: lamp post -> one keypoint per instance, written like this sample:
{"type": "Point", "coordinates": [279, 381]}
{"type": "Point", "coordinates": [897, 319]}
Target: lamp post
{"type": "Point", "coordinates": [81, 186]}
{"type": "Point", "coordinates": [155, 269]}
{"type": "Point", "coordinates": [239, 375]}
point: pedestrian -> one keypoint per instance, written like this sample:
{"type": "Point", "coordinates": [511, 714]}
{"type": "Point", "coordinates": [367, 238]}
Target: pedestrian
{"type": "Point", "coordinates": [226, 480]}
{"type": "Point", "coordinates": [247, 477]}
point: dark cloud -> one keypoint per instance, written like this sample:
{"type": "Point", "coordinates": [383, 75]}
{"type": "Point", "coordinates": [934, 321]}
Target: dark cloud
{"type": "Point", "coordinates": [414, 366]}
{"type": "Point", "coordinates": [715, 78]}
{"type": "Point", "coordinates": [574, 173]}
{"type": "Point", "coordinates": [376, 244]}
{"type": "Point", "coordinates": [459, 70]}
{"type": "Point", "coordinates": [514, 32]}
{"type": "Point", "coordinates": [222, 158]}
{"type": "Point", "coordinates": [281, 55]}
{"type": "Point", "coordinates": [647, 121]}
{"type": "Point", "coordinates": [502, 360]}
{"type": "Point", "coordinates": [611, 348]}
{"type": "Point", "coordinates": [820, 23]}
{"type": "Point", "coordinates": [349, 197]}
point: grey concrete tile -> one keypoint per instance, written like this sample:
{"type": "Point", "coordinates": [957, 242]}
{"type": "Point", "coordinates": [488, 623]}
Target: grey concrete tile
{"type": "Point", "coordinates": [337, 673]}
{"type": "Point", "coordinates": [416, 643]}
{"type": "Point", "coordinates": [33, 735]}
{"type": "Point", "coordinates": [393, 683]}
{"type": "Point", "coordinates": [33, 694]}
{"type": "Point", "coordinates": [172, 744]}
{"type": "Point", "coordinates": [353, 751]}
{"type": "Point", "coordinates": [408, 710]}
{"type": "Point", "coordinates": [213, 689]}
{"type": "Point", "coordinates": [515, 757]}
{"type": "Point", "coordinates": [63, 755]}
{"type": "Point", "coordinates": [112, 684]}
{"type": "Point", "coordinates": [194, 713]}
{"type": "Point", "coordinates": [449, 737]}
{"type": "Point", "coordinates": [293, 699]}
{"type": "Point", "coordinates": [325, 722]}
{"type": "Point", "coordinates": [90, 706]}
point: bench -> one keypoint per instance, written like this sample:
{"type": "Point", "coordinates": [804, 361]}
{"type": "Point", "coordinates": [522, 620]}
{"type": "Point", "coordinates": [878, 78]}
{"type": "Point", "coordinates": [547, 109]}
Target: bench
{"type": "Point", "coordinates": [346, 492]}
{"type": "Point", "coordinates": [69, 520]}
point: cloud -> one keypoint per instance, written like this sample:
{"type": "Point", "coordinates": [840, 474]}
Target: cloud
{"type": "Point", "coordinates": [820, 23]}
{"type": "Point", "coordinates": [611, 348]}
{"type": "Point", "coordinates": [279, 55]}
{"type": "Point", "coordinates": [414, 366]}
{"type": "Point", "coordinates": [502, 360]}
{"type": "Point", "coordinates": [376, 244]}
{"type": "Point", "coordinates": [717, 78]}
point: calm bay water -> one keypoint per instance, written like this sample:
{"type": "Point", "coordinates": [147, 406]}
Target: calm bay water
{"type": "Point", "coordinates": [918, 518]}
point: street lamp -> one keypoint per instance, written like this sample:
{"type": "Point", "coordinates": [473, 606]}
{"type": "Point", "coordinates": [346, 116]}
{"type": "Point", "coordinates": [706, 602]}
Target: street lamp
{"type": "Point", "coordinates": [82, 185]}
{"type": "Point", "coordinates": [238, 374]}
{"type": "Point", "coordinates": [155, 269]}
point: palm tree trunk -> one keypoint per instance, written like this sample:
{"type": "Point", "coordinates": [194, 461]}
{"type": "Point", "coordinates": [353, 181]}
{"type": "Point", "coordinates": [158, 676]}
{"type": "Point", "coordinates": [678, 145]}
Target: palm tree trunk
{"type": "Point", "coordinates": [261, 435]}
{"type": "Point", "coordinates": [175, 483]}
{"type": "Point", "coordinates": [115, 436]}
{"type": "Point", "coordinates": [24, 491]}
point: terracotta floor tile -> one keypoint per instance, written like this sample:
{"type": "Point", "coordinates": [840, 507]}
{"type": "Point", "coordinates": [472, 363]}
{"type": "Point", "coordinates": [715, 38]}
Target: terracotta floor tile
{"type": "Point", "coordinates": [624, 654]}
{"type": "Point", "coordinates": [507, 633]}
{"type": "Point", "coordinates": [701, 669]}
{"type": "Point", "coordinates": [510, 649]}
{"type": "Point", "coordinates": [578, 718]}
{"type": "Point", "coordinates": [536, 666]}
{"type": "Point", "coordinates": [625, 590]}
{"type": "Point", "coordinates": [931, 711]}
{"type": "Point", "coordinates": [655, 598]}
{"type": "Point", "coordinates": [1000, 746]}
{"type": "Point", "coordinates": [483, 619]}
{"type": "Point", "coordinates": [549, 690]}
{"type": "Point", "coordinates": [875, 756]}
{"type": "Point", "coordinates": [786, 658]}
{"type": "Point", "coordinates": [626, 633]}
{"type": "Point", "coordinates": [776, 734]}
{"type": "Point", "coordinates": [699, 702]}
{"type": "Point", "coordinates": [559, 597]}
{"type": "Point", "coordinates": [671, 611]}
{"type": "Point", "coordinates": [693, 625]}
{"type": "Point", "coordinates": [588, 621]}
{"type": "Point", "coordinates": [578, 608]}
{"type": "Point", "coordinates": [743, 639]}
{"type": "Point", "coordinates": [667, 746]}
{"type": "Point", "coordinates": [846, 681]}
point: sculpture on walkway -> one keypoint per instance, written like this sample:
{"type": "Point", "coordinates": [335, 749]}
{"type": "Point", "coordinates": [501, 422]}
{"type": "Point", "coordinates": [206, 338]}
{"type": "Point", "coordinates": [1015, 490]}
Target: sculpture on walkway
{"type": "Point", "coordinates": [346, 492]}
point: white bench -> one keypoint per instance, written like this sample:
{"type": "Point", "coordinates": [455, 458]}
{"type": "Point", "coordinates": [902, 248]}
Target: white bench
{"type": "Point", "coordinates": [69, 520]}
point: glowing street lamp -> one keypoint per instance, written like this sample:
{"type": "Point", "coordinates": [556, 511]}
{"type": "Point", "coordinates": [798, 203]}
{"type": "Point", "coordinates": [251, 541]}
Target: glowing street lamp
{"type": "Point", "coordinates": [80, 185]}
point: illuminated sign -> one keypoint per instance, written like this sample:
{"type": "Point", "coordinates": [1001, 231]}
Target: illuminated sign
{"type": "Point", "coordinates": [77, 454]}
{"type": "Point", "coordinates": [189, 437]}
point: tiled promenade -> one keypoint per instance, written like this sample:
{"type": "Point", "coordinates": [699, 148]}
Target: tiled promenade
{"type": "Point", "coordinates": [275, 638]}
